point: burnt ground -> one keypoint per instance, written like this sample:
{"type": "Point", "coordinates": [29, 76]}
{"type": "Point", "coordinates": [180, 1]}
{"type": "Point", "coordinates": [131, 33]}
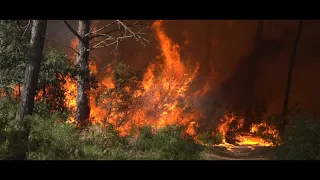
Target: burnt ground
{"type": "Point", "coordinates": [239, 153]}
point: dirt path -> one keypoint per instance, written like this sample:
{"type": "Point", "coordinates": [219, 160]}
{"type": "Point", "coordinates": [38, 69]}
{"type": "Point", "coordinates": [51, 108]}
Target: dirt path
{"type": "Point", "coordinates": [239, 153]}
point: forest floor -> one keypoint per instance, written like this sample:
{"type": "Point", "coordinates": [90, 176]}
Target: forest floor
{"type": "Point", "coordinates": [219, 152]}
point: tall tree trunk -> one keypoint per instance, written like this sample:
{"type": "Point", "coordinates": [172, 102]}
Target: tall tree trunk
{"type": "Point", "coordinates": [289, 77]}
{"type": "Point", "coordinates": [32, 68]}
{"type": "Point", "coordinates": [83, 108]}
{"type": "Point", "coordinates": [252, 76]}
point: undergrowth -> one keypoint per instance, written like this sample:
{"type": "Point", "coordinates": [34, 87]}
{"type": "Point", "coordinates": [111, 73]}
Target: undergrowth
{"type": "Point", "coordinates": [50, 138]}
{"type": "Point", "coordinates": [302, 141]}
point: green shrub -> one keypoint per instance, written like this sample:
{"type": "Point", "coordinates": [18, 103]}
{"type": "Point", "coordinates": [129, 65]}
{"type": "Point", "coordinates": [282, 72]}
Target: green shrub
{"type": "Point", "coordinates": [167, 144]}
{"type": "Point", "coordinates": [302, 141]}
{"type": "Point", "coordinates": [49, 139]}
{"type": "Point", "coordinates": [144, 141]}
{"type": "Point", "coordinates": [103, 143]}
{"type": "Point", "coordinates": [7, 114]}
{"type": "Point", "coordinates": [210, 138]}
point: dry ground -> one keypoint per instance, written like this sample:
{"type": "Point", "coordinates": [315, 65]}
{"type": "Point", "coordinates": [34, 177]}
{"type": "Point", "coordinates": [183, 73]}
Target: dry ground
{"type": "Point", "coordinates": [239, 153]}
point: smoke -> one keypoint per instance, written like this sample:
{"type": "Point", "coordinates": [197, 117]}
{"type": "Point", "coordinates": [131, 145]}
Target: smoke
{"type": "Point", "coordinates": [231, 41]}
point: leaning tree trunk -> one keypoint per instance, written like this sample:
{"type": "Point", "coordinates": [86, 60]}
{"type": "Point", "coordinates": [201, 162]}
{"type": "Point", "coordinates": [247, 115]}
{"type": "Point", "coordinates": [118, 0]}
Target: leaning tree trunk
{"type": "Point", "coordinates": [252, 76]}
{"type": "Point", "coordinates": [83, 108]}
{"type": "Point", "coordinates": [289, 77]}
{"type": "Point", "coordinates": [32, 68]}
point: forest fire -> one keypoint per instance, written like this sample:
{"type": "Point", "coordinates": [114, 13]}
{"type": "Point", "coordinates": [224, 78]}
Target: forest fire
{"type": "Point", "coordinates": [158, 98]}
{"type": "Point", "coordinates": [254, 137]}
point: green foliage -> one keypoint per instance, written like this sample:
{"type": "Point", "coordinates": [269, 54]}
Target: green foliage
{"type": "Point", "coordinates": [7, 113]}
{"type": "Point", "coordinates": [166, 144]}
{"type": "Point", "coordinates": [103, 143]}
{"type": "Point", "coordinates": [50, 138]}
{"type": "Point", "coordinates": [13, 54]}
{"type": "Point", "coordinates": [302, 141]}
{"type": "Point", "coordinates": [53, 71]}
{"type": "Point", "coordinates": [210, 138]}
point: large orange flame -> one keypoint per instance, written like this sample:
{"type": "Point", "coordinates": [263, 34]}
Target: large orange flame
{"type": "Point", "coordinates": [162, 97]}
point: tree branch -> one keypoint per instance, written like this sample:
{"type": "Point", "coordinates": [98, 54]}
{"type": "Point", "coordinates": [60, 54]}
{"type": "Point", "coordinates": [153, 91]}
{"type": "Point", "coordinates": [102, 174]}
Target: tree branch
{"type": "Point", "coordinates": [115, 39]}
{"type": "Point", "coordinates": [72, 30]}
{"type": "Point", "coordinates": [26, 28]}
{"type": "Point", "coordinates": [95, 32]}
{"type": "Point", "coordinates": [138, 23]}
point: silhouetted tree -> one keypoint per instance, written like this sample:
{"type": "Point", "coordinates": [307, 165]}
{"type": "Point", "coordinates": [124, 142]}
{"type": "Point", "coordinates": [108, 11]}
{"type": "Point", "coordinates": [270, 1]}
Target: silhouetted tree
{"type": "Point", "coordinates": [252, 76]}
{"type": "Point", "coordinates": [32, 68]}
{"type": "Point", "coordinates": [289, 77]}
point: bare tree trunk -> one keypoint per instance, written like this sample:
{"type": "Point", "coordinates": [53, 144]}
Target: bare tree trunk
{"type": "Point", "coordinates": [291, 64]}
{"type": "Point", "coordinates": [83, 108]}
{"type": "Point", "coordinates": [32, 68]}
{"type": "Point", "coordinates": [252, 76]}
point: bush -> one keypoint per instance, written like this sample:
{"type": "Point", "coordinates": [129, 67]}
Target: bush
{"type": "Point", "coordinates": [210, 138]}
{"type": "Point", "coordinates": [302, 141]}
{"type": "Point", "coordinates": [49, 139]}
{"type": "Point", "coordinates": [166, 144]}
{"type": "Point", "coordinates": [103, 143]}
{"type": "Point", "coordinates": [7, 114]}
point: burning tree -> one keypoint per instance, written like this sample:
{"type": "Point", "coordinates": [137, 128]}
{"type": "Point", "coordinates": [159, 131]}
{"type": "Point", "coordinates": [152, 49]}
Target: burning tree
{"type": "Point", "coordinates": [88, 40]}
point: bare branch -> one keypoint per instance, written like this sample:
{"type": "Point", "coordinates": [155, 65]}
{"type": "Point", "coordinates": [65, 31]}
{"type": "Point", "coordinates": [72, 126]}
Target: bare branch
{"type": "Point", "coordinates": [26, 28]}
{"type": "Point", "coordinates": [100, 29]}
{"type": "Point", "coordinates": [138, 23]}
{"type": "Point", "coordinates": [72, 30]}
{"type": "Point", "coordinates": [125, 32]}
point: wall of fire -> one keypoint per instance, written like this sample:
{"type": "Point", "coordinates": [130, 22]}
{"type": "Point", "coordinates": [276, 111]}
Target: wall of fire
{"type": "Point", "coordinates": [231, 42]}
